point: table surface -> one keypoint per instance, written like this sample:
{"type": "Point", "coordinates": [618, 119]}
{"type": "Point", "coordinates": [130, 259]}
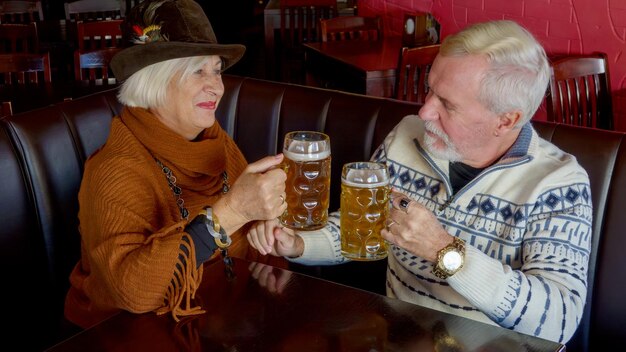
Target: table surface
{"type": "Point", "coordinates": [271, 22]}
{"type": "Point", "coordinates": [357, 66]}
{"type": "Point", "coordinates": [248, 313]}
{"type": "Point", "coordinates": [371, 57]}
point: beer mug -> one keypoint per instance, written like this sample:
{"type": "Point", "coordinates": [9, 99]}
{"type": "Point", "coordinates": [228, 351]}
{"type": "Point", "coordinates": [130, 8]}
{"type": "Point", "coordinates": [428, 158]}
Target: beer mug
{"type": "Point", "coordinates": [307, 164]}
{"type": "Point", "coordinates": [364, 210]}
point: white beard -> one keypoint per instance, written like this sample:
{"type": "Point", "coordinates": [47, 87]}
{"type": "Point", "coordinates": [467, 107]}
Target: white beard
{"type": "Point", "coordinates": [449, 152]}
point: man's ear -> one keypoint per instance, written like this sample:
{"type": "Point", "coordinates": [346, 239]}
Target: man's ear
{"type": "Point", "coordinates": [508, 121]}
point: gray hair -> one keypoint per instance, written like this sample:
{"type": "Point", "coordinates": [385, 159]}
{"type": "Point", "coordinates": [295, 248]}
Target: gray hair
{"type": "Point", "coordinates": [147, 88]}
{"type": "Point", "coordinates": [519, 70]}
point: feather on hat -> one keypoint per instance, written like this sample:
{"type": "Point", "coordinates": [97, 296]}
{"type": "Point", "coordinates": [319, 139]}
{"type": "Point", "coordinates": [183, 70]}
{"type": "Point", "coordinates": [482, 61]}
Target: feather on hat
{"type": "Point", "coordinates": [159, 30]}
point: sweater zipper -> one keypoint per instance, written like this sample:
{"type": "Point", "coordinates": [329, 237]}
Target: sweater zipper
{"type": "Point", "coordinates": [446, 203]}
{"type": "Point", "coordinates": [445, 178]}
{"type": "Point", "coordinates": [452, 197]}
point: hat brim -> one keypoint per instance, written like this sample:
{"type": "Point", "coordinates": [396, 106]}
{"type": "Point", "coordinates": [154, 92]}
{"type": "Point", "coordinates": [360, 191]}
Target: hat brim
{"type": "Point", "coordinates": [134, 58]}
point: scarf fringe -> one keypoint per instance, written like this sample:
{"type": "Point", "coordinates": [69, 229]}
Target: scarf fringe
{"type": "Point", "coordinates": [179, 296]}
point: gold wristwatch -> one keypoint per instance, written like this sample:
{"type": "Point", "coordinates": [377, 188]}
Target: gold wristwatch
{"type": "Point", "coordinates": [450, 259]}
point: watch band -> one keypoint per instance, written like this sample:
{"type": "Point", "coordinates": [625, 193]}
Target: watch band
{"type": "Point", "coordinates": [439, 269]}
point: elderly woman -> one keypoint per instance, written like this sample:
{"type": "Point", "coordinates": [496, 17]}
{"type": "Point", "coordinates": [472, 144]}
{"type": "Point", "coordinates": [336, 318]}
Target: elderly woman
{"type": "Point", "coordinates": [169, 186]}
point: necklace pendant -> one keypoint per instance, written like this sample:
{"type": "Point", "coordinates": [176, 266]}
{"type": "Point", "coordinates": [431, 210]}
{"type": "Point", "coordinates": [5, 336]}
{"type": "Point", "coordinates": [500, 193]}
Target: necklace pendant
{"type": "Point", "coordinates": [171, 181]}
{"type": "Point", "coordinates": [225, 185]}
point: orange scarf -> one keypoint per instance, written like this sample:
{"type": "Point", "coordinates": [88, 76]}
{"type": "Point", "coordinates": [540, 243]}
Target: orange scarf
{"type": "Point", "coordinates": [197, 165]}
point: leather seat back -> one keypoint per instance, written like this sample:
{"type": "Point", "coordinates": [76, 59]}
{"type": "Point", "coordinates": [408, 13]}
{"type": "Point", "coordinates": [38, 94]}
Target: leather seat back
{"type": "Point", "coordinates": [596, 150]}
{"type": "Point", "coordinates": [42, 154]}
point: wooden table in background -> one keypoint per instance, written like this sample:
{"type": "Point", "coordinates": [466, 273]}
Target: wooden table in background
{"type": "Point", "coordinates": [271, 23]}
{"type": "Point", "coordinates": [364, 67]}
{"type": "Point", "coordinates": [307, 314]}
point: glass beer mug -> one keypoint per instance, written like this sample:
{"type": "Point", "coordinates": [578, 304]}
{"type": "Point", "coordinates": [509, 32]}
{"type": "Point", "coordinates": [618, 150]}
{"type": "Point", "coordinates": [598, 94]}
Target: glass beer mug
{"type": "Point", "coordinates": [307, 164]}
{"type": "Point", "coordinates": [364, 210]}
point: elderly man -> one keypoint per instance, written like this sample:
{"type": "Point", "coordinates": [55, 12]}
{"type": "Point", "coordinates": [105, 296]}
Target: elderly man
{"type": "Point", "coordinates": [489, 221]}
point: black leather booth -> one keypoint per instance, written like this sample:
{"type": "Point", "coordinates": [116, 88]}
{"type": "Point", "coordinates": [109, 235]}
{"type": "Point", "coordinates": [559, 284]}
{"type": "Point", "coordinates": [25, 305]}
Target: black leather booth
{"type": "Point", "coordinates": [42, 153]}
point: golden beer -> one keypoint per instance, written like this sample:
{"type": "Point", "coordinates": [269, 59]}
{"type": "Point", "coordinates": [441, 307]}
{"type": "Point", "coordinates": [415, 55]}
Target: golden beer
{"type": "Point", "coordinates": [364, 211]}
{"type": "Point", "coordinates": [308, 181]}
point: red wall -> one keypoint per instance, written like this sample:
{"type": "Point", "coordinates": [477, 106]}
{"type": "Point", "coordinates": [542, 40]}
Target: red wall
{"type": "Point", "coordinates": [562, 26]}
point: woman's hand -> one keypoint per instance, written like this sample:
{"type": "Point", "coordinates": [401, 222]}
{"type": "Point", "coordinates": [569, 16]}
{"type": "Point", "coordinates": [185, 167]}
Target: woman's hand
{"type": "Point", "coordinates": [270, 237]}
{"type": "Point", "coordinates": [259, 192]}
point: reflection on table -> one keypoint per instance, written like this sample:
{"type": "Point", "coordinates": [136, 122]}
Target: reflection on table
{"type": "Point", "coordinates": [364, 67]}
{"type": "Point", "coordinates": [263, 308]}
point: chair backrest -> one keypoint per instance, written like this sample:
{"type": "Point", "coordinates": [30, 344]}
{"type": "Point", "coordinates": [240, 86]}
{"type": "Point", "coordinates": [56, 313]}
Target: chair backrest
{"type": "Point", "coordinates": [580, 93]}
{"type": "Point", "coordinates": [299, 20]}
{"type": "Point", "coordinates": [351, 28]}
{"type": "Point", "coordinates": [20, 11]}
{"type": "Point", "coordinates": [93, 10]}
{"type": "Point", "coordinates": [93, 66]}
{"type": "Point", "coordinates": [22, 68]}
{"type": "Point", "coordinates": [6, 109]}
{"type": "Point", "coordinates": [412, 72]}
{"type": "Point", "coordinates": [19, 38]}
{"type": "Point", "coordinates": [299, 24]}
{"type": "Point", "coordinates": [98, 34]}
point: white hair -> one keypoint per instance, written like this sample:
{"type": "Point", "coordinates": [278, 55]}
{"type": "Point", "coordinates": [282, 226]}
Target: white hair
{"type": "Point", "coordinates": [519, 71]}
{"type": "Point", "coordinates": [147, 88]}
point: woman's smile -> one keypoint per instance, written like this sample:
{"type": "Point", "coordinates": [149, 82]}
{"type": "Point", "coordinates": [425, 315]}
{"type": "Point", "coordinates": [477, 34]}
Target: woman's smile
{"type": "Point", "coordinates": [209, 105]}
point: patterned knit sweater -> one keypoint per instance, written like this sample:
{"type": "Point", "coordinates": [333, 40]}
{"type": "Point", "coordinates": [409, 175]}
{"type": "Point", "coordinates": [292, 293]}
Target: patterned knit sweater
{"type": "Point", "coordinates": [133, 247]}
{"type": "Point", "coordinates": [527, 224]}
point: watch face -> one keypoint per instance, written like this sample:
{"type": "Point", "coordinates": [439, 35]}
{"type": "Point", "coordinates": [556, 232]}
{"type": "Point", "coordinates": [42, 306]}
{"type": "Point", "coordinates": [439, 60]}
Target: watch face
{"type": "Point", "coordinates": [452, 260]}
{"type": "Point", "coordinates": [409, 26]}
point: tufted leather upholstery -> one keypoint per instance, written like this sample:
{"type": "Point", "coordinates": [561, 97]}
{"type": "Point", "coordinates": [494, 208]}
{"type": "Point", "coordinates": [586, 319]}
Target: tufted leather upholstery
{"type": "Point", "coordinates": [42, 154]}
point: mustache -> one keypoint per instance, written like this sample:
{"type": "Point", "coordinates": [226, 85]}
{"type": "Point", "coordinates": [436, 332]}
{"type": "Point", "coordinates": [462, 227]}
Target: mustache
{"type": "Point", "coordinates": [430, 127]}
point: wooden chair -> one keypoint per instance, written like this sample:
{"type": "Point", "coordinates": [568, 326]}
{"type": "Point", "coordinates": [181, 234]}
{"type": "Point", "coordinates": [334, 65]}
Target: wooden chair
{"type": "Point", "coordinates": [299, 20]}
{"type": "Point", "coordinates": [93, 10]}
{"type": "Point", "coordinates": [93, 66]}
{"type": "Point", "coordinates": [412, 72]}
{"type": "Point", "coordinates": [19, 38]}
{"type": "Point", "coordinates": [20, 11]}
{"type": "Point", "coordinates": [6, 110]}
{"type": "Point", "coordinates": [351, 28]}
{"type": "Point", "coordinates": [580, 93]}
{"type": "Point", "coordinates": [98, 34]}
{"type": "Point", "coordinates": [22, 68]}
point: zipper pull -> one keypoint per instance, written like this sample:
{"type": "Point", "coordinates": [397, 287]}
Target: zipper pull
{"type": "Point", "coordinates": [445, 205]}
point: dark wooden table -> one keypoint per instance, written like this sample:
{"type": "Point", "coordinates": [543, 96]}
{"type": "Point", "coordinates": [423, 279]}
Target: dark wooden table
{"type": "Point", "coordinates": [364, 67]}
{"type": "Point", "coordinates": [248, 313]}
{"type": "Point", "coordinates": [271, 20]}
{"type": "Point", "coordinates": [271, 30]}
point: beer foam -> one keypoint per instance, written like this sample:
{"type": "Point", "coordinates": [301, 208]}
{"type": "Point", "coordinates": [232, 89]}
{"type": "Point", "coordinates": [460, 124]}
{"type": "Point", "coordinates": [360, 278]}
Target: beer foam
{"type": "Point", "coordinates": [365, 178]}
{"type": "Point", "coordinates": [364, 185]}
{"type": "Point", "coordinates": [306, 157]}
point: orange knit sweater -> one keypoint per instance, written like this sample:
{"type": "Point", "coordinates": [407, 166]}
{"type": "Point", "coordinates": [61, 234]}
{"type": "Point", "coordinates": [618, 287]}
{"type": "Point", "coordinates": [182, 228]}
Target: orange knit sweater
{"type": "Point", "coordinates": [131, 228]}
